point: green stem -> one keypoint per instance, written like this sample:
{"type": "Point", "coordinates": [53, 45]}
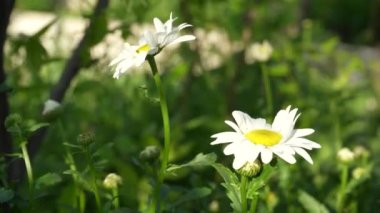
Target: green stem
{"type": "Point", "coordinates": [254, 204]}
{"type": "Point", "coordinates": [342, 191]}
{"type": "Point", "coordinates": [92, 171]}
{"type": "Point", "coordinates": [29, 169]}
{"type": "Point", "coordinates": [243, 193]}
{"type": "Point", "coordinates": [267, 87]}
{"type": "Point", "coordinates": [69, 159]}
{"type": "Point", "coordinates": [82, 201]}
{"type": "Point", "coordinates": [115, 196]}
{"type": "Point", "coordinates": [336, 125]}
{"type": "Point", "coordinates": [166, 123]}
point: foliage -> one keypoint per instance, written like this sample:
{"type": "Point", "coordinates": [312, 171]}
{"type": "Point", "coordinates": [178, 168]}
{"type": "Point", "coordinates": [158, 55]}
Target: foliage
{"type": "Point", "coordinates": [331, 82]}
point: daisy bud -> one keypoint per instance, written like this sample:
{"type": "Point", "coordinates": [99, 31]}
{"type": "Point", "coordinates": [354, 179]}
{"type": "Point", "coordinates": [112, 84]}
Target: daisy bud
{"type": "Point", "coordinates": [51, 109]}
{"type": "Point", "coordinates": [112, 180]}
{"type": "Point", "coordinates": [150, 153]}
{"type": "Point", "coordinates": [345, 155]}
{"type": "Point", "coordinates": [359, 172]}
{"type": "Point", "coordinates": [12, 120]}
{"type": "Point", "coordinates": [86, 138]}
{"type": "Point", "coordinates": [361, 152]}
{"type": "Point", "coordinates": [214, 206]}
{"type": "Point", "coordinates": [250, 169]}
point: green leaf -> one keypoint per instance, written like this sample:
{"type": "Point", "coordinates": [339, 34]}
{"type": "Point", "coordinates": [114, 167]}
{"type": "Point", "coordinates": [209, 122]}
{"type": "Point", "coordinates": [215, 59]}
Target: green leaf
{"type": "Point", "coordinates": [48, 179]}
{"type": "Point", "coordinates": [311, 204]}
{"type": "Point", "coordinates": [15, 155]}
{"type": "Point", "coordinates": [193, 194]}
{"type": "Point", "coordinates": [6, 195]}
{"type": "Point", "coordinates": [72, 145]}
{"type": "Point", "coordinates": [231, 184]}
{"type": "Point", "coordinates": [279, 70]}
{"type": "Point", "coordinates": [259, 182]}
{"type": "Point", "coordinates": [199, 160]}
{"type": "Point", "coordinates": [44, 29]}
{"type": "Point", "coordinates": [35, 127]}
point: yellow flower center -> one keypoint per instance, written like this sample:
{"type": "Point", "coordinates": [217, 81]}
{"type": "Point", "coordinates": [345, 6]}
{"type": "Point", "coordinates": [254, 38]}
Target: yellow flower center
{"type": "Point", "coordinates": [143, 48]}
{"type": "Point", "coordinates": [264, 137]}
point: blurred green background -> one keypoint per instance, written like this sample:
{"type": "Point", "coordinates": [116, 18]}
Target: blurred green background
{"type": "Point", "coordinates": [325, 62]}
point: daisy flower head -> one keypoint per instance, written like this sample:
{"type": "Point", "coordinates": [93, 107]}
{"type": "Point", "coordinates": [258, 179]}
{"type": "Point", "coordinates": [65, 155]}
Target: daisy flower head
{"type": "Point", "coordinates": [256, 139]}
{"type": "Point", "coordinates": [150, 43]}
{"type": "Point", "coordinates": [259, 52]}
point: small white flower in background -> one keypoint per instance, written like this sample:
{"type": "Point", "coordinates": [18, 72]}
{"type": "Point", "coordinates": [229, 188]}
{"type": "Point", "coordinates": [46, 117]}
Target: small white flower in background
{"type": "Point", "coordinates": [254, 137]}
{"type": "Point", "coordinates": [112, 180]}
{"type": "Point", "coordinates": [359, 172]}
{"type": "Point", "coordinates": [361, 152]}
{"type": "Point", "coordinates": [150, 43]}
{"type": "Point", "coordinates": [50, 107]}
{"type": "Point", "coordinates": [258, 52]}
{"type": "Point", "coordinates": [345, 155]}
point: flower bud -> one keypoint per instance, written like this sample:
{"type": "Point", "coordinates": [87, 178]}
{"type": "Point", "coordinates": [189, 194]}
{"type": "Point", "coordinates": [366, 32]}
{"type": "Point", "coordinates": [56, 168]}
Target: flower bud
{"type": "Point", "coordinates": [359, 172]}
{"type": "Point", "coordinates": [214, 206]}
{"type": "Point", "coordinates": [87, 138]}
{"type": "Point", "coordinates": [361, 152]}
{"type": "Point", "coordinates": [251, 169]}
{"type": "Point", "coordinates": [150, 153]}
{"type": "Point", "coordinates": [51, 109]}
{"type": "Point", "coordinates": [12, 120]}
{"type": "Point", "coordinates": [345, 155]}
{"type": "Point", "coordinates": [112, 180]}
{"type": "Point", "coordinates": [258, 52]}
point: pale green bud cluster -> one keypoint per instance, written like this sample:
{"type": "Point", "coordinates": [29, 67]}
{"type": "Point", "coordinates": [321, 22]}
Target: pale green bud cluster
{"type": "Point", "coordinates": [112, 181]}
{"type": "Point", "coordinates": [87, 138]}
{"type": "Point", "coordinates": [345, 156]}
{"type": "Point", "coordinates": [251, 169]}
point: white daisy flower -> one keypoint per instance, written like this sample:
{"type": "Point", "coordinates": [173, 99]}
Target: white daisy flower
{"type": "Point", "coordinates": [150, 43]}
{"type": "Point", "coordinates": [253, 137]}
{"type": "Point", "coordinates": [258, 52]}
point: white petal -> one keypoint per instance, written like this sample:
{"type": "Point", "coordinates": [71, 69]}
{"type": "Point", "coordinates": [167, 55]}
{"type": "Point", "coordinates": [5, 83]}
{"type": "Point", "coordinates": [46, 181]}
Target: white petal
{"type": "Point", "coordinates": [226, 137]}
{"type": "Point", "coordinates": [287, 157]}
{"type": "Point", "coordinates": [158, 25]}
{"type": "Point", "coordinates": [243, 120]}
{"type": "Point", "coordinates": [233, 126]}
{"type": "Point", "coordinates": [183, 39]}
{"type": "Point", "coordinates": [232, 148]}
{"type": "Point", "coordinates": [302, 132]}
{"type": "Point", "coordinates": [254, 153]}
{"type": "Point", "coordinates": [266, 155]}
{"type": "Point", "coordinates": [183, 26]}
{"type": "Point", "coordinates": [260, 123]}
{"type": "Point", "coordinates": [283, 149]}
{"type": "Point", "coordinates": [304, 154]}
{"type": "Point", "coordinates": [284, 122]}
{"type": "Point", "coordinates": [303, 143]}
{"type": "Point", "coordinates": [238, 163]}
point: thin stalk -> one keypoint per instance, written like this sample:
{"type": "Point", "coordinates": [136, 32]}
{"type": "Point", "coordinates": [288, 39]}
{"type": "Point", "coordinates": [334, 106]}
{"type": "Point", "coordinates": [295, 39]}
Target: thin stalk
{"type": "Point", "coordinates": [166, 123]}
{"type": "Point", "coordinates": [243, 193]}
{"type": "Point", "coordinates": [342, 191]}
{"type": "Point", "coordinates": [92, 171]}
{"type": "Point", "coordinates": [69, 159]}
{"type": "Point", "coordinates": [336, 125]}
{"type": "Point", "coordinates": [82, 201]}
{"type": "Point", "coordinates": [115, 196]}
{"type": "Point", "coordinates": [29, 169]}
{"type": "Point", "coordinates": [267, 88]}
{"type": "Point", "coordinates": [254, 204]}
